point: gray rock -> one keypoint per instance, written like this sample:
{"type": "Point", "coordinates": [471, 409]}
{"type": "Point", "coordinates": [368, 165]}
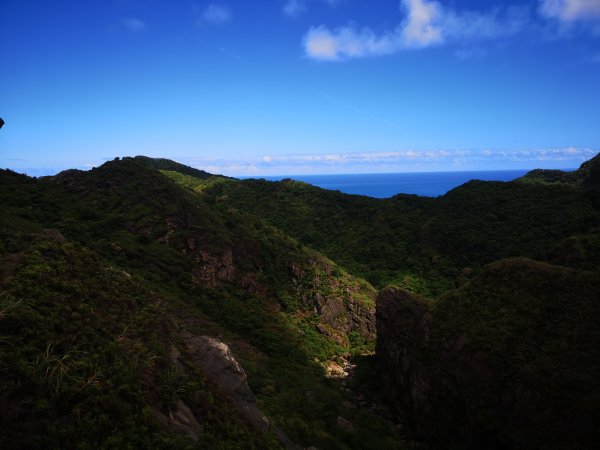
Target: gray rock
{"type": "Point", "coordinates": [345, 424]}
{"type": "Point", "coordinates": [181, 420]}
{"type": "Point", "coordinates": [52, 234]}
{"type": "Point", "coordinates": [220, 366]}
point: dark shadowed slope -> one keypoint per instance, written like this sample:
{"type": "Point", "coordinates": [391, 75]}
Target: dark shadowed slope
{"type": "Point", "coordinates": [508, 361]}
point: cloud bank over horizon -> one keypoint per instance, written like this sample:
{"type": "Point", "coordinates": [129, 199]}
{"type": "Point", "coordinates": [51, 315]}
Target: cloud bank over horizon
{"type": "Point", "coordinates": [451, 160]}
{"type": "Point", "coordinates": [394, 161]}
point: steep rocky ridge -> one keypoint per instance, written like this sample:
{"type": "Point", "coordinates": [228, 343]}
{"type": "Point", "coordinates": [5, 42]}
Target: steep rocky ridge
{"type": "Point", "coordinates": [144, 216]}
{"type": "Point", "coordinates": [403, 326]}
{"type": "Point", "coordinates": [218, 364]}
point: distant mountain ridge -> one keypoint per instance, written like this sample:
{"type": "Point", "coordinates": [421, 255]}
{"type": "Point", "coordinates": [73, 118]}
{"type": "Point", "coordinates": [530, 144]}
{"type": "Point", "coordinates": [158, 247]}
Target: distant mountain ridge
{"type": "Point", "coordinates": [587, 176]}
{"type": "Point", "coordinates": [167, 164]}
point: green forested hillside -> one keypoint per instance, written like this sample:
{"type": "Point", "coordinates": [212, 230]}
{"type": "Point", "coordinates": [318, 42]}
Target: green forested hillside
{"type": "Point", "coordinates": [423, 244]}
{"type": "Point", "coordinates": [287, 312]}
{"type": "Point", "coordinates": [84, 360]}
{"type": "Point", "coordinates": [167, 164]}
{"type": "Point", "coordinates": [587, 176]}
{"type": "Point", "coordinates": [480, 222]}
{"type": "Point", "coordinates": [114, 280]}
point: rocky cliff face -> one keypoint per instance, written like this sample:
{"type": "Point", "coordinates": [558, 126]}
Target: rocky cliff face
{"type": "Point", "coordinates": [475, 367]}
{"type": "Point", "coordinates": [402, 324]}
{"type": "Point", "coordinates": [343, 304]}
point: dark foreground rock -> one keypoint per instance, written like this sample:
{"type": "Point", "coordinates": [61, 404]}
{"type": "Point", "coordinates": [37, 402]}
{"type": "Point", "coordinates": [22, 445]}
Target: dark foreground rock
{"type": "Point", "coordinates": [402, 324]}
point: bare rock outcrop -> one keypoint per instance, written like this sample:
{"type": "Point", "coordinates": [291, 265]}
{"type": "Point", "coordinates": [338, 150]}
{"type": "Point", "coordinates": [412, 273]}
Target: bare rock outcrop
{"type": "Point", "coordinates": [212, 269]}
{"type": "Point", "coordinates": [181, 420]}
{"type": "Point", "coordinates": [220, 366]}
{"type": "Point", "coordinates": [346, 315]}
{"type": "Point", "coordinates": [52, 234]}
{"type": "Point", "coordinates": [343, 305]}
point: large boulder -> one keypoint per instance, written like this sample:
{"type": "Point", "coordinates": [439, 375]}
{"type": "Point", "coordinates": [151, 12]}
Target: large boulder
{"type": "Point", "coordinates": [220, 366]}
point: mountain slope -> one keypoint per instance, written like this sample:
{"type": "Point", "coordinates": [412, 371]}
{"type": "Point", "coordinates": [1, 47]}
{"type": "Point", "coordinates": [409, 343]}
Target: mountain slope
{"type": "Point", "coordinates": [248, 299]}
{"type": "Point", "coordinates": [423, 244]}
{"type": "Point", "coordinates": [284, 310]}
{"type": "Point", "coordinates": [480, 222]}
{"type": "Point", "coordinates": [85, 363]}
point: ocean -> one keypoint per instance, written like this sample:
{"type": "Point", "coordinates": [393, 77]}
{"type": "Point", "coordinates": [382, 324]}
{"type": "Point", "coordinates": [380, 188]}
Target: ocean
{"type": "Point", "coordinates": [384, 185]}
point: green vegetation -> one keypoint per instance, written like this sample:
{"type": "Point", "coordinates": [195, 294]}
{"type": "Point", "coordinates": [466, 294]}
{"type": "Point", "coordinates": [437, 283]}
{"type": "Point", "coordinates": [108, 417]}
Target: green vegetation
{"type": "Point", "coordinates": [480, 222]}
{"type": "Point", "coordinates": [232, 273]}
{"type": "Point", "coordinates": [431, 242]}
{"type": "Point", "coordinates": [84, 362]}
{"type": "Point", "coordinates": [103, 272]}
{"type": "Point", "coordinates": [587, 176]}
{"type": "Point", "coordinates": [167, 164]}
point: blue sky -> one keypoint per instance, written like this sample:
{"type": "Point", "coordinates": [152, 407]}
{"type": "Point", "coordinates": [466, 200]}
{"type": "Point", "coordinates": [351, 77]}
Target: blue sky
{"type": "Point", "coordinates": [300, 86]}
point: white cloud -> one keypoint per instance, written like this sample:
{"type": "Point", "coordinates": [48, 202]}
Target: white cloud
{"type": "Point", "coordinates": [423, 24]}
{"type": "Point", "coordinates": [426, 23]}
{"type": "Point", "coordinates": [346, 42]}
{"type": "Point", "coordinates": [395, 161]}
{"type": "Point", "coordinates": [132, 24]}
{"type": "Point", "coordinates": [294, 8]}
{"type": "Point", "coordinates": [569, 11]}
{"type": "Point", "coordinates": [216, 14]}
